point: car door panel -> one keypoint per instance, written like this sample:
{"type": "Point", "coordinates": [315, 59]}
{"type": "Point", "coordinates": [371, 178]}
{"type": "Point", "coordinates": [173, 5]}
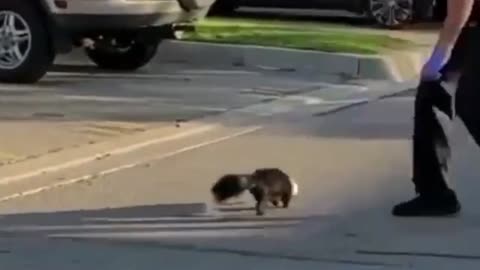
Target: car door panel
{"type": "Point", "coordinates": [303, 4]}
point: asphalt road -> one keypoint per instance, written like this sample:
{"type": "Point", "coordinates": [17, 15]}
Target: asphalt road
{"type": "Point", "coordinates": [147, 206]}
{"type": "Point", "coordinates": [159, 213]}
{"type": "Point", "coordinates": [76, 90]}
{"type": "Point", "coordinates": [76, 104]}
{"type": "Point", "coordinates": [352, 166]}
{"type": "Point", "coordinates": [151, 208]}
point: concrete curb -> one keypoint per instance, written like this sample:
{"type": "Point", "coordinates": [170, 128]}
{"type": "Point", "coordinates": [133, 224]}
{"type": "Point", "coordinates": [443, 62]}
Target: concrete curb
{"type": "Point", "coordinates": [395, 66]}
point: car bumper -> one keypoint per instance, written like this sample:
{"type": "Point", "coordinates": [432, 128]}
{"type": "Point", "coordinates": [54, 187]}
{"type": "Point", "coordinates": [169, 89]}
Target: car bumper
{"type": "Point", "coordinates": [121, 14]}
{"type": "Point", "coordinates": [125, 7]}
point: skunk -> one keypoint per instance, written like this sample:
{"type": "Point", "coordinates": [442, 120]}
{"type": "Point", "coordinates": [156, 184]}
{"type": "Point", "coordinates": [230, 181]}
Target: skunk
{"type": "Point", "coordinates": [266, 185]}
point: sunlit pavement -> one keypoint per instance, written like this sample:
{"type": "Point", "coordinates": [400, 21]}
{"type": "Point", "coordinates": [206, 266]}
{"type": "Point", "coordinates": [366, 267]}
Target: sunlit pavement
{"type": "Point", "coordinates": [352, 166]}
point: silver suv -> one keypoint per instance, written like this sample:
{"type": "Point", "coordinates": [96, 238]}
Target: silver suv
{"type": "Point", "coordinates": [116, 34]}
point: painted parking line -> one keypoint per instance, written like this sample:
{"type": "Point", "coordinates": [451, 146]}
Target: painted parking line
{"type": "Point", "coordinates": [117, 169]}
{"type": "Point", "coordinates": [117, 151]}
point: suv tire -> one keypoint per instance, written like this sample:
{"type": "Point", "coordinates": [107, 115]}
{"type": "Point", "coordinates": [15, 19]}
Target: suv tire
{"type": "Point", "coordinates": [25, 48]}
{"type": "Point", "coordinates": [126, 58]}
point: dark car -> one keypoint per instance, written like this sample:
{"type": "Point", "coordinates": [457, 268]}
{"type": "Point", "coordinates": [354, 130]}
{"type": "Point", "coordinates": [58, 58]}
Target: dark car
{"type": "Point", "coordinates": [388, 13]}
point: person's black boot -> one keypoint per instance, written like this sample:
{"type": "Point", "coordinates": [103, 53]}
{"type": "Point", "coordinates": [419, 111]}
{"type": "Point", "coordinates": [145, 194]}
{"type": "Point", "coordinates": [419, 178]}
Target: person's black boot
{"type": "Point", "coordinates": [443, 204]}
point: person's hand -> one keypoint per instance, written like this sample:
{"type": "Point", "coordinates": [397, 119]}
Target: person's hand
{"type": "Point", "coordinates": [431, 69]}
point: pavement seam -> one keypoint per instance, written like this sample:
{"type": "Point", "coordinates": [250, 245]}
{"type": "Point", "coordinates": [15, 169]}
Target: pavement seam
{"type": "Point", "coordinates": [364, 102]}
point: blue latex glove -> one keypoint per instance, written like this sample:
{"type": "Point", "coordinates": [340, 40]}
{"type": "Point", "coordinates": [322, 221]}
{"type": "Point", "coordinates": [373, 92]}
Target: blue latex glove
{"type": "Point", "coordinates": [431, 69]}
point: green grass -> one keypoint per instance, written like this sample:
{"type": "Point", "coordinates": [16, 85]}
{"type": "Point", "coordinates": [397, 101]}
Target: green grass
{"type": "Point", "coordinates": [306, 36]}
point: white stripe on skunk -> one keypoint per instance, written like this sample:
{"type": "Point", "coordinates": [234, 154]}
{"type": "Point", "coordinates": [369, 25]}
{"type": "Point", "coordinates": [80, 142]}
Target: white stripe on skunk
{"type": "Point", "coordinates": [294, 187]}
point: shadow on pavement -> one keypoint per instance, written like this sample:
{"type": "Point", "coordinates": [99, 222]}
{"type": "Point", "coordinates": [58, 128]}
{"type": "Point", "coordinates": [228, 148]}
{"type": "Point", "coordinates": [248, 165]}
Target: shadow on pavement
{"type": "Point", "coordinates": [162, 220]}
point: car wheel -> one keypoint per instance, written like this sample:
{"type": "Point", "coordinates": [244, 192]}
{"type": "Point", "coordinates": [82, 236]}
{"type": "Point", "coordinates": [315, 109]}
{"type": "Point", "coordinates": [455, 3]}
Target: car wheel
{"type": "Point", "coordinates": [114, 55]}
{"type": "Point", "coordinates": [25, 50]}
{"type": "Point", "coordinates": [391, 14]}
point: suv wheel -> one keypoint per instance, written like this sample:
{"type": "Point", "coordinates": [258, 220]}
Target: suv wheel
{"type": "Point", "coordinates": [392, 14]}
{"type": "Point", "coordinates": [25, 52]}
{"type": "Point", "coordinates": [131, 55]}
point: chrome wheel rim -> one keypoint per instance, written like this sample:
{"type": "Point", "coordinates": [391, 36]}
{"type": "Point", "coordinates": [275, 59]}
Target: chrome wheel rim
{"type": "Point", "coordinates": [391, 13]}
{"type": "Point", "coordinates": [15, 40]}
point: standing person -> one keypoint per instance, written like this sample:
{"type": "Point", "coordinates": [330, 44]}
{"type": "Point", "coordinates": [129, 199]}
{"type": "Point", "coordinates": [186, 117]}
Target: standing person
{"type": "Point", "coordinates": [434, 108]}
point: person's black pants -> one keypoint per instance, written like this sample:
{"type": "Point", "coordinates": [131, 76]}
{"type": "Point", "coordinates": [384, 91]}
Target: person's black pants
{"type": "Point", "coordinates": [434, 111]}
